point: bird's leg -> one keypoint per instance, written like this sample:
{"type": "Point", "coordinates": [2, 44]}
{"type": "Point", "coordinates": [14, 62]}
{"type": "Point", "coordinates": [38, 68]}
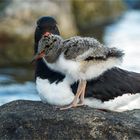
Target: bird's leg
{"type": "Point", "coordinates": [82, 97]}
{"type": "Point", "coordinates": [80, 90]}
{"type": "Point", "coordinates": [78, 93]}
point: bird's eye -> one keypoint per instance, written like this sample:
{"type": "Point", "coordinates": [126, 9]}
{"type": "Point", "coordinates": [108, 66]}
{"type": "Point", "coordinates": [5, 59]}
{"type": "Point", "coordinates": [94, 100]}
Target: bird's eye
{"type": "Point", "coordinates": [47, 46]}
{"type": "Point", "coordinates": [38, 27]}
{"type": "Point", "coordinates": [55, 39]}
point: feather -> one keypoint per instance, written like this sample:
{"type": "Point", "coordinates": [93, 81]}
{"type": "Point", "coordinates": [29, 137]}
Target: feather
{"type": "Point", "coordinates": [113, 83]}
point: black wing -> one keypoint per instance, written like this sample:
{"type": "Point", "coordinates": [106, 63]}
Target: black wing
{"type": "Point", "coordinates": [113, 83]}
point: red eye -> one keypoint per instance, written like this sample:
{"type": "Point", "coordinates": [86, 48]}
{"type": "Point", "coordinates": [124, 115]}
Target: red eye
{"type": "Point", "coordinates": [47, 34]}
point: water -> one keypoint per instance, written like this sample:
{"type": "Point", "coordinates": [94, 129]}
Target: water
{"type": "Point", "coordinates": [125, 34]}
{"type": "Point", "coordinates": [17, 83]}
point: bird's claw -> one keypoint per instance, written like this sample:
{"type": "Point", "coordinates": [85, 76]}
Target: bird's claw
{"type": "Point", "coordinates": [72, 106]}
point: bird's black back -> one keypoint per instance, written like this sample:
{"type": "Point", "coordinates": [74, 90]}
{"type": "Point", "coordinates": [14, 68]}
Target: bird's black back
{"type": "Point", "coordinates": [113, 83]}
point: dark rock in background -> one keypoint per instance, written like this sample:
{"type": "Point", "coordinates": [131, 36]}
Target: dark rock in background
{"type": "Point", "coordinates": [34, 120]}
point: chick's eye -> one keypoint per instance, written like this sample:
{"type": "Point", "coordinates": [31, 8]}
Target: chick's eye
{"type": "Point", "coordinates": [55, 39]}
{"type": "Point", "coordinates": [47, 46]}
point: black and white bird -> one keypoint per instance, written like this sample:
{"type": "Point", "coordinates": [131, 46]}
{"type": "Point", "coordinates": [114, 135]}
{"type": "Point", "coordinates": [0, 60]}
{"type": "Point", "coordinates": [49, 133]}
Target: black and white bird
{"type": "Point", "coordinates": [107, 91]}
{"type": "Point", "coordinates": [79, 59]}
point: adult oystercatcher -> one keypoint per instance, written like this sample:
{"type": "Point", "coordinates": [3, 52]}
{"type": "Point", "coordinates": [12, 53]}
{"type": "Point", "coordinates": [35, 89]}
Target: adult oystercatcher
{"type": "Point", "coordinates": [113, 83]}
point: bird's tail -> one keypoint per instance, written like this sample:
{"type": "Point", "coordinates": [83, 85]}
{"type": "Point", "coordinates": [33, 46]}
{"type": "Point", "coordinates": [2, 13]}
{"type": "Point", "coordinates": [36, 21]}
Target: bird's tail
{"type": "Point", "coordinates": [114, 52]}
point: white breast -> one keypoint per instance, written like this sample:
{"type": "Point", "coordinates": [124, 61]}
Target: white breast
{"type": "Point", "coordinates": [64, 66]}
{"type": "Point", "coordinates": [55, 94]}
{"type": "Point", "coordinates": [86, 70]}
{"type": "Point", "coordinates": [81, 69]}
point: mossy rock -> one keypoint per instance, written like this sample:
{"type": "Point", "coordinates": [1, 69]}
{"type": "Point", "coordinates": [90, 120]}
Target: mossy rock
{"type": "Point", "coordinates": [97, 12]}
{"type": "Point", "coordinates": [15, 49]}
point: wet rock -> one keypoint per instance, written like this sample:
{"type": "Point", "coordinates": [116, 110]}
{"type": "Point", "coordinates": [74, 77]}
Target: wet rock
{"type": "Point", "coordinates": [35, 120]}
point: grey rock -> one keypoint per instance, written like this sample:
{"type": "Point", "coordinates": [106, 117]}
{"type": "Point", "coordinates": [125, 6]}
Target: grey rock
{"type": "Point", "coordinates": [33, 120]}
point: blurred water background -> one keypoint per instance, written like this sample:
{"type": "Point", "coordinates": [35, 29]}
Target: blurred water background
{"type": "Point", "coordinates": [115, 23]}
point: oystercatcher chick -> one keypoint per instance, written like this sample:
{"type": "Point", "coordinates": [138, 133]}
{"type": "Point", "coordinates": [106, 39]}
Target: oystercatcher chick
{"type": "Point", "coordinates": [79, 59]}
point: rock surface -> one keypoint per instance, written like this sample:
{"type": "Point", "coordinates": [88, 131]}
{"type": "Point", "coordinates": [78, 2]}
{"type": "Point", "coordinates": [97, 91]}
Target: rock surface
{"type": "Point", "coordinates": [35, 120]}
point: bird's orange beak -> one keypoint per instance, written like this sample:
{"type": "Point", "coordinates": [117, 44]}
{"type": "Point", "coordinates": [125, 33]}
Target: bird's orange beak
{"type": "Point", "coordinates": [38, 56]}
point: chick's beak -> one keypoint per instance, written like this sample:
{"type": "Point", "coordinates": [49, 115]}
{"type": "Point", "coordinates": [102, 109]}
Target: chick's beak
{"type": "Point", "coordinates": [38, 56]}
{"type": "Point", "coordinates": [42, 53]}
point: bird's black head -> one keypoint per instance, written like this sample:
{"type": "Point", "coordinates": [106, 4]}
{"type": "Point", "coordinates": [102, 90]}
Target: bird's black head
{"type": "Point", "coordinates": [45, 24]}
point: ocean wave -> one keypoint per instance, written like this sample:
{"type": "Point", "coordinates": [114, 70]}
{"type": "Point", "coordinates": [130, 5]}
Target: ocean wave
{"type": "Point", "coordinates": [26, 91]}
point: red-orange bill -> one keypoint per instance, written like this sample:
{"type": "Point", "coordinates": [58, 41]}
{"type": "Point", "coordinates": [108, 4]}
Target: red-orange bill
{"type": "Point", "coordinates": [38, 56]}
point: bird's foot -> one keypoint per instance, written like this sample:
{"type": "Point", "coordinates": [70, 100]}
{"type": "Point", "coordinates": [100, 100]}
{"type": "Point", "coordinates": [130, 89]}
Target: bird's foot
{"type": "Point", "coordinates": [56, 107]}
{"type": "Point", "coordinates": [105, 110]}
{"type": "Point", "coordinates": [72, 106]}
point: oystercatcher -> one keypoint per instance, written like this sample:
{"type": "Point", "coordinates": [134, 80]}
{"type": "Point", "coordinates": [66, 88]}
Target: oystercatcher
{"type": "Point", "coordinates": [78, 58]}
{"type": "Point", "coordinates": [113, 83]}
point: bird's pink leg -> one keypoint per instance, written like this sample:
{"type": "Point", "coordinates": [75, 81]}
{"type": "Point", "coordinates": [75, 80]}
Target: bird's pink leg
{"type": "Point", "coordinates": [82, 97]}
{"type": "Point", "coordinates": [80, 92]}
